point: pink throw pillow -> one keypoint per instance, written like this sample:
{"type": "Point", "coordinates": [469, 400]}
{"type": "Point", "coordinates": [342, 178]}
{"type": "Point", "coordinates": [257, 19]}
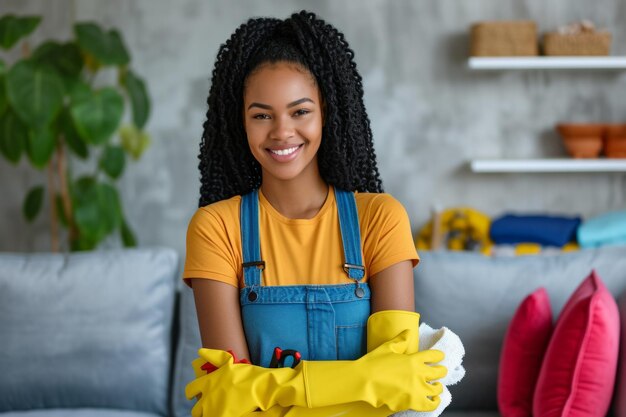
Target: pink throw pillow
{"type": "Point", "coordinates": [578, 371]}
{"type": "Point", "coordinates": [523, 349]}
{"type": "Point", "coordinates": [620, 385]}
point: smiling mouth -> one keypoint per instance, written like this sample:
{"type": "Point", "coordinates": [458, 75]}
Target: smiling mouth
{"type": "Point", "coordinates": [284, 152]}
{"type": "Point", "coordinates": [285, 155]}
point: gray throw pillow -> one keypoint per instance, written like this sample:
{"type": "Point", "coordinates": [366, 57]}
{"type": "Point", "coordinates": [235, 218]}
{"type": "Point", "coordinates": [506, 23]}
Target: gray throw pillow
{"type": "Point", "coordinates": [89, 329]}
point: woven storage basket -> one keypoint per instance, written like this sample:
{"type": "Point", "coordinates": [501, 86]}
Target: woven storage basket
{"type": "Point", "coordinates": [504, 38]}
{"type": "Point", "coordinates": [593, 43]}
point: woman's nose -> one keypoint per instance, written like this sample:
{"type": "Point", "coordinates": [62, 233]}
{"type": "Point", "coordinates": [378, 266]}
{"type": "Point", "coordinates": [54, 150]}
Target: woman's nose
{"type": "Point", "coordinates": [283, 128]}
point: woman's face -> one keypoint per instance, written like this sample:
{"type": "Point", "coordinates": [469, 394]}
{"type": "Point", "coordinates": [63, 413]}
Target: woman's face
{"type": "Point", "coordinates": [283, 120]}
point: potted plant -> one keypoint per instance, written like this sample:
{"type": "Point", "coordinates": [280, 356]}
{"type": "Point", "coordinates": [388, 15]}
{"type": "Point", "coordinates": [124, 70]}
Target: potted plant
{"type": "Point", "coordinates": [56, 107]}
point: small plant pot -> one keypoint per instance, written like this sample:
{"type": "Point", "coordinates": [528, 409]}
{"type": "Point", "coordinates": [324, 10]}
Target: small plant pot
{"type": "Point", "coordinates": [616, 141]}
{"type": "Point", "coordinates": [582, 140]}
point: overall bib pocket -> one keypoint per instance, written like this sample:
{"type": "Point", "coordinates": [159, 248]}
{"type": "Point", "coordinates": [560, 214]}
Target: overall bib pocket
{"type": "Point", "coordinates": [351, 341]}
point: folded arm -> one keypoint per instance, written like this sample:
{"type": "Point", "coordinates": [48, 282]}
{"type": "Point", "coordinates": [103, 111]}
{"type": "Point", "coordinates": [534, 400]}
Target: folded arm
{"type": "Point", "coordinates": [219, 316]}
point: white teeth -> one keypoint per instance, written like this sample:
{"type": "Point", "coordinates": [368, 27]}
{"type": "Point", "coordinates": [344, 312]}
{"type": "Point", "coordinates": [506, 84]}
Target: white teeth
{"type": "Point", "coordinates": [288, 151]}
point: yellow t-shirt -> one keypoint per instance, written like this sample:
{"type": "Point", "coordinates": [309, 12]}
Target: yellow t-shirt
{"type": "Point", "coordinates": [297, 251]}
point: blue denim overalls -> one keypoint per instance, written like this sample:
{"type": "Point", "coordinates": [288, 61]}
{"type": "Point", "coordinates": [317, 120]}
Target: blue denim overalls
{"type": "Point", "coordinates": [322, 322]}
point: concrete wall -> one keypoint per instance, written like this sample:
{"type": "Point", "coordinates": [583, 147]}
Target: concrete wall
{"type": "Point", "coordinates": [429, 114]}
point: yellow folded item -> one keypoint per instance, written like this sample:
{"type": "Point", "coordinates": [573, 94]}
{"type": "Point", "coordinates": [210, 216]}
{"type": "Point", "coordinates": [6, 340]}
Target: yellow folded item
{"type": "Point", "coordinates": [522, 249]}
{"type": "Point", "coordinates": [531, 248]}
{"type": "Point", "coordinates": [536, 248]}
{"type": "Point", "coordinates": [457, 228]}
{"type": "Point", "coordinates": [570, 247]}
{"type": "Point", "coordinates": [384, 377]}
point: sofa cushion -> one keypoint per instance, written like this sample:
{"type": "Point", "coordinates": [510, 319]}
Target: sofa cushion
{"type": "Point", "coordinates": [524, 345]}
{"type": "Point", "coordinates": [78, 412]}
{"type": "Point", "coordinates": [189, 342]}
{"type": "Point", "coordinates": [578, 372]}
{"type": "Point", "coordinates": [476, 296]}
{"type": "Point", "coordinates": [486, 413]}
{"type": "Point", "coordinates": [89, 329]}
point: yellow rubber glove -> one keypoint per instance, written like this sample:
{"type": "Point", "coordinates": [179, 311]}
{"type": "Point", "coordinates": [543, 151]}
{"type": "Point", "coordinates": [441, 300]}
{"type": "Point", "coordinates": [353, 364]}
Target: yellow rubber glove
{"type": "Point", "coordinates": [382, 326]}
{"type": "Point", "coordinates": [356, 409]}
{"type": "Point", "coordinates": [386, 325]}
{"type": "Point", "coordinates": [197, 367]}
{"type": "Point", "coordinates": [384, 376]}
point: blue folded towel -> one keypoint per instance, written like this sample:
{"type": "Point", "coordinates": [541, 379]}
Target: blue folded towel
{"type": "Point", "coordinates": [607, 229]}
{"type": "Point", "coordinates": [544, 230]}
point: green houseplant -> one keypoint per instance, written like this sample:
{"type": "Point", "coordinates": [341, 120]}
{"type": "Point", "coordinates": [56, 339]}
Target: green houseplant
{"type": "Point", "coordinates": [54, 109]}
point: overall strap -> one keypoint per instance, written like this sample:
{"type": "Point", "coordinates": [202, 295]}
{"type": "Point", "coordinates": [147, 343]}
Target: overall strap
{"type": "Point", "coordinates": [250, 239]}
{"type": "Point", "coordinates": [350, 234]}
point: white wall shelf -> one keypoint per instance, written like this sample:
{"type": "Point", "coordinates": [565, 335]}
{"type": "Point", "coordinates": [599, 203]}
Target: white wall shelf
{"type": "Point", "coordinates": [547, 165]}
{"type": "Point", "coordinates": [545, 62]}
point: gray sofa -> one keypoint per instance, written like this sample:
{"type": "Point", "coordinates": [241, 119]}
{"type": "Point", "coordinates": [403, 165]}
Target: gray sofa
{"type": "Point", "coordinates": [113, 333]}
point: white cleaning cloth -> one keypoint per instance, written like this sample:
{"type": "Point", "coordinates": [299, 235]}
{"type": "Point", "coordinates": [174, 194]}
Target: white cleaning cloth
{"type": "Point", "coordinates": [450, 344]}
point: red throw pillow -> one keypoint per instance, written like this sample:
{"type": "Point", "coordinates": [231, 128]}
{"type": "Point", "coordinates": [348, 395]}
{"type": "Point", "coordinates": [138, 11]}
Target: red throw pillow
{"type": "Point", "coordinates": [578, 371]}
{"type": "Point", "coordinates": [619, 408]}
{"type": "Point", "coordinates": [524, 345]}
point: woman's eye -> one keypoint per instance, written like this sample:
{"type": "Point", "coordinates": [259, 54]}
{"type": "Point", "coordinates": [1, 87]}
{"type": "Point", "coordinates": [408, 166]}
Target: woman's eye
{"type": "Point", "coordinates": [301, 112]}
{"type": "Point", "coordinates": [260, 116]}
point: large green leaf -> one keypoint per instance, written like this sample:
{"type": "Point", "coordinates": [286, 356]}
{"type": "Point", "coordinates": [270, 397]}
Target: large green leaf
{"type": "Point", "coordinates": [106, 47]}
{"type": "Point", "coordinates": [128, 237]}
{"type": "Point", "coordinates": [35, 92]}
{"type": "Point", "coordinates": [110, 206]}
{"type": "Point", "coordinates": [83, 243]}
{"type": "Point", "coordinates": [13, 136]}
{"type": "Point", "coordinates": [77, 89]}
{"type": "Point", "coordinates": [85, 198]}
{"type": "Point", "coordinates": [32, 203]}
{"type": "Point", "coordinates": [97, 118]}
{"type": "Point", "coordinates": [3, 94]}
{"type": "Point", "coordinates": [71, 136]}
{"type": "Point", "coordinates": [41, 143]}
{"type": "Point", "coordinates": [3, 87]}
{"type": "Point", "coordinates": [134, 141]}
{"type": "Point", "coordinates": [138, 98]}
{"type": "Point", "coordinates": [13, 28]}
{"type": "Point", "coordinates": [96, 209]}
{"type": "Point", "coordinates": [65, 58]}
{"type": "Point", "coordinates": [112, 161]}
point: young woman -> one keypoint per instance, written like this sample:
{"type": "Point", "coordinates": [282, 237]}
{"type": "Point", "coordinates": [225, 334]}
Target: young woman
{"type": "Point", "coordinates": [295, 244]}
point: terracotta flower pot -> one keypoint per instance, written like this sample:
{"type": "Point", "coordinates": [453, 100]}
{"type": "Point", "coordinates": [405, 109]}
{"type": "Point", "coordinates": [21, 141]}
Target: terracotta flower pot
{"type": "Point", "coordinates": [616, 141]}
{"type": "Point", "coordinates": [582, 140]}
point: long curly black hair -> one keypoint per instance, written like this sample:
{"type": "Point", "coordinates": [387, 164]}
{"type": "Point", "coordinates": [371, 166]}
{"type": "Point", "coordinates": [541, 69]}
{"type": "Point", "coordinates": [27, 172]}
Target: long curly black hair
{"type": "Point", "coordinates": [346, 156]}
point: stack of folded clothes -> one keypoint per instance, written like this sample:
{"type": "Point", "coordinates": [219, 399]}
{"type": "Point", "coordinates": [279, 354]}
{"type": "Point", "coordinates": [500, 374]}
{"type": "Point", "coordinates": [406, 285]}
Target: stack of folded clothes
{"type": "Point", "coordinates": [529, 234]}
{"type": "Point", "coordinates": [606, 229]}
